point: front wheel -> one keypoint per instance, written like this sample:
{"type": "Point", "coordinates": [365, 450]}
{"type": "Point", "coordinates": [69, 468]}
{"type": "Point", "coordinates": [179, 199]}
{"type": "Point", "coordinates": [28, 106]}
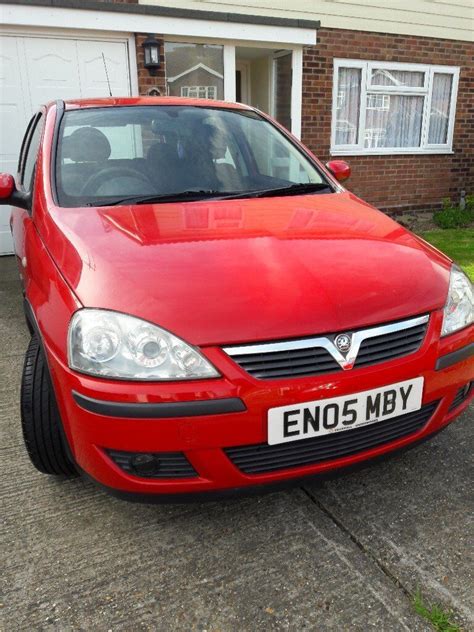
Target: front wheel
{"type": "Point", "coordinates": [40, 420]}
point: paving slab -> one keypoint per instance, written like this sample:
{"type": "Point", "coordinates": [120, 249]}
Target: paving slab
{"type": "Point", "coordinates": [414, 515]}
{"type": "Point", "coordinates": [8, 308]}
{"type": "Point", "coordinates": [11, 304]}
{"type": "Point", "coordinates": [14, 336]}
{"type": "Point", "coordinates": [10, 287]}
{"type": "Point", "coordinates": [10, 370]}
{"type": "Point", "coordinates": [10, 434]}
{"type": "Point", "coordinates": [78, 559]}
{"type": "Point", "coordinates": [8, 270]}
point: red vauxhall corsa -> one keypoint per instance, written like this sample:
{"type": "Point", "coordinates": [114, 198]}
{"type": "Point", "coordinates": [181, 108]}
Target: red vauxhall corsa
{"type": "Point", "coordinates": [210, 310]}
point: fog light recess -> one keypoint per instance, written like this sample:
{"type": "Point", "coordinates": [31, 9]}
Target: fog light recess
{"type": "Point", "coordinates": [145, 464]}
{"type": "Point", "coordinates": [461, 396]}
{"type": "Point", "coordinates": [153, 464]}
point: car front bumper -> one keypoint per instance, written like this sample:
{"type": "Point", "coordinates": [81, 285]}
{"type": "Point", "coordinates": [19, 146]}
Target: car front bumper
{"type": "Point", "coordinates": [202, 419]}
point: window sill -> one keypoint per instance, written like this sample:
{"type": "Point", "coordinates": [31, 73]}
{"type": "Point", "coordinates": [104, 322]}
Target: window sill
{"type": "Point", "coordinates": [389, 152]}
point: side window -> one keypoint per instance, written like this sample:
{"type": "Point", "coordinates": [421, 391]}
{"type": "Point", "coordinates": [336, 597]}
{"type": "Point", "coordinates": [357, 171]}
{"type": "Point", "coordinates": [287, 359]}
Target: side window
{"type": "Point", "coordinates": [29, 161]}
{"type": "Point", "coordinates": [276, 158]}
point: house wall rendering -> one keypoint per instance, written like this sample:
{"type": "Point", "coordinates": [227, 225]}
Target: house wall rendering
{"type": "Point", "coordinates": [423, 18]}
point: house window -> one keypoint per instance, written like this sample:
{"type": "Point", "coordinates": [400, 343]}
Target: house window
{"type": "Point", "coordinates": [199, 92]}
{"type": "Point", "coordinates": [392, 108]}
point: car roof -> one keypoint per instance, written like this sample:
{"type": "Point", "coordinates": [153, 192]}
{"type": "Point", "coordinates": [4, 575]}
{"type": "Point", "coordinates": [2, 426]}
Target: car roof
{"type": "Point", "coordinates": [73, 104]}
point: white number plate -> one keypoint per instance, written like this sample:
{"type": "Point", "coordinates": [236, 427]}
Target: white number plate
{"type": "Point", "coordinates": [324, 416]}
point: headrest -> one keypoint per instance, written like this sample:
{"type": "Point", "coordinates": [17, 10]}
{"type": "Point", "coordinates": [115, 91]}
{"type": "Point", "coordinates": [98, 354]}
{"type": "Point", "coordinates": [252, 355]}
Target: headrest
{"type": "Point", "coordinates": [162, 152]}
{"type": "Point", "coordinates": [217, 141]}
{"type": "Point", "coordinates": [86, 144]}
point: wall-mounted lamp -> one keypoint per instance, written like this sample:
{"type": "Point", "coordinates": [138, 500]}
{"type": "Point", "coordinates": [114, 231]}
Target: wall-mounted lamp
{"type": "Point", "coordinates": [151, 48]}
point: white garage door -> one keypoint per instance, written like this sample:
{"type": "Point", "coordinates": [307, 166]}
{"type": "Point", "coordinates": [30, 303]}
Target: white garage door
{"type": "Point", "coordinates": [35, 70]}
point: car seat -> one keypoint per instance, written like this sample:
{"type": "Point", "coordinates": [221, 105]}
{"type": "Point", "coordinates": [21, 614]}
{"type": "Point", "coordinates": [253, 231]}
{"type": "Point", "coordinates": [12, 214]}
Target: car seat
{"type": "Point", "coordinates": [88, 149]}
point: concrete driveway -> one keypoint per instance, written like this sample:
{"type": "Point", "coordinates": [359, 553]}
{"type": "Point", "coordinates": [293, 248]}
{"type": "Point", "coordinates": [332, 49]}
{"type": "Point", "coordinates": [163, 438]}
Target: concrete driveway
{"type": "Point", "coordinates": [345, 555]}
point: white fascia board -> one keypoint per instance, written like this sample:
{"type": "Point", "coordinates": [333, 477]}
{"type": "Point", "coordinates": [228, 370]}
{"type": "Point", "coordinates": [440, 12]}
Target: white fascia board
{"type": "Point", "coordinates": [196, 67]}
{"type": "Point", "coordinates": [53, 17]}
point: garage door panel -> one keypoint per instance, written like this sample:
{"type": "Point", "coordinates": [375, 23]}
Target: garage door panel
{"type": "Point", "coordinates": [10, 141]}
{"type": "Point", "coordinates": [93, 72]}
{"type": "Point", "coordinates": [36, 70]}
{"type": "Point", "coordinates": [13, 120]}
{"type": "Point", "coordinates": [52, 70]}
{"type": "Point", "coordinates": [13, 108]}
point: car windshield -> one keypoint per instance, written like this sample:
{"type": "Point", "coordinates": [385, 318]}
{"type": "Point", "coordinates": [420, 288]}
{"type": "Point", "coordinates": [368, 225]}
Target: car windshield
{"type": "Point", "coordinates": [133, 154]}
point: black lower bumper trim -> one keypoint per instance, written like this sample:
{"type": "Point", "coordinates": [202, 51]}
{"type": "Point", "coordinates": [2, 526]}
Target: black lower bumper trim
{"type": "Point", "coordinates": [456, 356]}
{"type": "Point", "coordinates": [254, 489]}
{"type": "Point", "coordinates": [166, 410]}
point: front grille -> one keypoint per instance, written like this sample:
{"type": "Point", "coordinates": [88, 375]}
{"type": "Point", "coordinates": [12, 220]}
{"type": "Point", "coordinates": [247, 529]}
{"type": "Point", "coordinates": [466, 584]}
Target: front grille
{"type": "Point", "coordinates": [461, 396]}
{"type": "Point", "coordinates": [314, 356]}
{"type": "Point", "coordinates": [260, 458]}
{"type": "Point", "coordinates": [389, 346]}
{"type": "Point", "coordinates": [153, 464]}
{"type": "Point", "coordinates": [297, 363]}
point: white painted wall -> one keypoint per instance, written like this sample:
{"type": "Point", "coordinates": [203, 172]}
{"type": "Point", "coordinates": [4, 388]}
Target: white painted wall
{"type": "Point", "coordinates": [260, 82]}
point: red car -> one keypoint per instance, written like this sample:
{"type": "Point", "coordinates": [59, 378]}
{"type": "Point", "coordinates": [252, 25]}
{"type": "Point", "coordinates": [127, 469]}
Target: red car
{"type": "Point", "coordinates": [211, 310]}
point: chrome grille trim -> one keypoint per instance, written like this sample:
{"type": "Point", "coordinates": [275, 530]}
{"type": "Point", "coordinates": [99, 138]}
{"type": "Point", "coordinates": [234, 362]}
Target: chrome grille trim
{"type": "Point", "coordinates": [324, 345]}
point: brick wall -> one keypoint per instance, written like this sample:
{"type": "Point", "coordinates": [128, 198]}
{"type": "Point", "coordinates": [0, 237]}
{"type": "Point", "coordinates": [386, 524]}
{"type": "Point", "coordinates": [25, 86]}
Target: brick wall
{"type": "Point", "coordinates": [145, 80]}
{"type": "Point", "coordinates": [393, 182]}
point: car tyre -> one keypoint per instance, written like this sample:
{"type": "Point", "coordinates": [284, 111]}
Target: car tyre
{"type": "Point", "coordinates": [40, 419]}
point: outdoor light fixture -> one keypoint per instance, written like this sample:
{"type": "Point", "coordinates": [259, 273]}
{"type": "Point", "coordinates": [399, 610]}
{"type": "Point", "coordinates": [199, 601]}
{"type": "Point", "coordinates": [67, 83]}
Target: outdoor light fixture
{"type": "Point", "coordinates": [151, 47]}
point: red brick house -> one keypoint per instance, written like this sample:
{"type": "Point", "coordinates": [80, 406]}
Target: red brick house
{"type": "Point", "coordinates": [388, 88]}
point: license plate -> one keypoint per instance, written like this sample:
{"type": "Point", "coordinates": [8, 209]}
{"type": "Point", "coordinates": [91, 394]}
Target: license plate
{"type": "Point", "coordinates": [338, 414]}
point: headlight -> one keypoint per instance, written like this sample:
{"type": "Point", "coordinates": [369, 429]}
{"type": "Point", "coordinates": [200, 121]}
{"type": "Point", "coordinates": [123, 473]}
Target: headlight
{"type": "Point", "coordinates": [113, 345]}
{"type": "Point", "coordinates": [458, 311]}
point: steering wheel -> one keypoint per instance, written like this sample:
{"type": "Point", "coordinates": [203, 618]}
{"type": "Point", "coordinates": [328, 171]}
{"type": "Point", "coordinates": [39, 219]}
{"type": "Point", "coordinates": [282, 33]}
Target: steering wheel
{"type": "Point", "coordinates": [93, 183]}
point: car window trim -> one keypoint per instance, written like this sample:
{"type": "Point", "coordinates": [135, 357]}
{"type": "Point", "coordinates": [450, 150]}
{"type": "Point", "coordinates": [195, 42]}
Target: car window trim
{"type": "Point", "coordinates": [25, 145]}
{"type": "Point", "coordinates": [60, 109]}
{"type": "Point", "coordinates": [298, 145]}
{"type": "Point", "coordinates": [38, 121]}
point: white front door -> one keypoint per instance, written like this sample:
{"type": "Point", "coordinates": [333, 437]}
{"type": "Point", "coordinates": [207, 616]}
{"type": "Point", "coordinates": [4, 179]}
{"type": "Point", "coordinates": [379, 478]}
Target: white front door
{"type": "Point", "coordinates": [35, 70]}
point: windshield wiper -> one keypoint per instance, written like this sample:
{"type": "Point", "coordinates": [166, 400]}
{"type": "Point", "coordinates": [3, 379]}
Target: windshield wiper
{"type": "Point", "coordinates": [189, 196]}
{"type": "Point", "coordinates": [293, 189]}
{"type": "Point", "coordinates": [202, 194]}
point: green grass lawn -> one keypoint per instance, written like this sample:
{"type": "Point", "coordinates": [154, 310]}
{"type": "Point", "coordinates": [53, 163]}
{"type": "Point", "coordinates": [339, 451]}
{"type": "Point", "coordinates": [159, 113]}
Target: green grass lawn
{"type": "Point", "coordinates": [457, 243]}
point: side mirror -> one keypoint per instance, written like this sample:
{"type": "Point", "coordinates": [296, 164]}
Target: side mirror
{"type": "Point", "coordinates": [339, 169]}
{"type": "Point", "coordinates": [7, 186]}
{"type": "Point", "coordinates": [9, 193]}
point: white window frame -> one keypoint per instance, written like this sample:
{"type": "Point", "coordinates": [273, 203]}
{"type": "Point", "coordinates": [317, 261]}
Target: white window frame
{"type": "Point", "coordinates": [384, 99]}
{"type": "Point", "coordinates": [197, 89]}
{"type": "Point", "coordinates": [366, 68]}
